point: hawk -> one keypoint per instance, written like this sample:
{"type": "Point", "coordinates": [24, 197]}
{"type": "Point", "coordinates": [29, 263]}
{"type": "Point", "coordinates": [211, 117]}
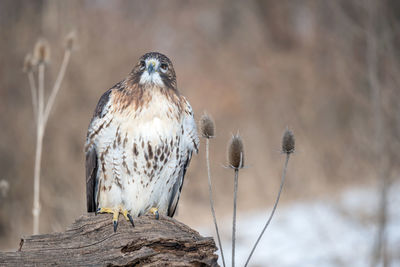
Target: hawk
{"type": "Point", "coordinates": [139, 143]}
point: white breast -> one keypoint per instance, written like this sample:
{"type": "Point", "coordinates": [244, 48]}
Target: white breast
{"type": "Point", "coordinates": [135, 173]}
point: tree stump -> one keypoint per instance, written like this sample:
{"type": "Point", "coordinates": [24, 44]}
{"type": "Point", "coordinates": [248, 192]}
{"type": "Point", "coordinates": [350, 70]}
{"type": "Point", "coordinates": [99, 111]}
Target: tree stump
{"type": "Point", "coordinates": [91, 241]}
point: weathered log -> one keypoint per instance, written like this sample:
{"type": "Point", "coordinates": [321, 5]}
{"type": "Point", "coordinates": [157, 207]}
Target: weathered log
{"type": "Point", "coordinates": [91, 241]}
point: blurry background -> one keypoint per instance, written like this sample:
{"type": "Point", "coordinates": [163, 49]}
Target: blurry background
{"type": "Point", "coordinates": [327, 69]}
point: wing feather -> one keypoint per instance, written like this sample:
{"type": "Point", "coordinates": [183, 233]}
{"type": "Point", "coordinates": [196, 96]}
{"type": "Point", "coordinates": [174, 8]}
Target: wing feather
{"type": "Point", "coordinates": [190, 143]}
{"type": "Point", "coordinates": [91, 154]}
{"type": "Point", "coordinates": [91, 172]}
{"type": "Point", "coordinates": [177, 188]}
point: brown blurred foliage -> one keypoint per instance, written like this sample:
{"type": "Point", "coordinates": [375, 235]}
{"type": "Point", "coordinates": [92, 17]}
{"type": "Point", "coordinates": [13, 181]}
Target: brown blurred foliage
{"type": "Point", "coordinates": [255, 66]}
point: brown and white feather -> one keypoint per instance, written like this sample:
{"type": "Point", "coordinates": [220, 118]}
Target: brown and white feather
{"type": "Point", "coordinates": [139, 144]}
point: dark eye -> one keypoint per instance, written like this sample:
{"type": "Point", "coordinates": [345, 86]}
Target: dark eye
{"type": "Point", "coordinates": [142, 65]}
{"type": "Point", "coordinates": [163, 67]}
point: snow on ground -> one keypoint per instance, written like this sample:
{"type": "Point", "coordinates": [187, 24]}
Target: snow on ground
{"type": "Point", "coordinates": [326, 232]}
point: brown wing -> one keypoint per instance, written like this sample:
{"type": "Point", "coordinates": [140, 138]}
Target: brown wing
{"type": "Point", "coordinates": [91, 154]}
{"type": "Point", "coordinates": [91, 173]}
{"type": "Point", "coordinates": [191, 143]}
{"type": "Point", "coordinates": [177, 188]}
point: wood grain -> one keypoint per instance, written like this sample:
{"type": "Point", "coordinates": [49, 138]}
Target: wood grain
{"type": "Point", "coordinates": [91, 241]}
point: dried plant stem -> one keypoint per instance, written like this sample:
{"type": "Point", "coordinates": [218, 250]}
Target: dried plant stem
{"type": "Point", "coordinates": [38, 154]}
{"type": "Point", "coordinates": [41, 68]}
{"type": "Point", "coordinates": [373, 38]}
{"type": "Point", "coordinates": [36, 187]}
{"type": "Point", "coordinates": [379, 253]}
{"type": "Point", "coordinates": [42, 114]}
{"type": "Point", "coordinates": [273, 210]}
{"type": "Point", "coordinates": [42, 109]}
{"type": "Point", "coordinates": [212, 201]}
{"type": "Point", "coordinates": [57, 85]}
{"type": "Point", "coordinates": [235, 189]}
{"type": "Point", "coordinates": [32, 86]}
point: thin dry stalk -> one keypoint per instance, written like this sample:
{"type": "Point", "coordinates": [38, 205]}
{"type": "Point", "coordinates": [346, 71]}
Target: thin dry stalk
{"type": "Point", "coordinates": [32, 86]}
{"type": "Point", "coordinates": [212, 201]}
{"type": "Point", "coordinates": [273, 210]}
{"type": "Point", "coordinates": [234, 215]}
{"type": "Point", "coordinates": [28, 68]}
{"type": "Point", "coordinates": [236, 162]}
{"type": "Point", "coordinates": [41, 68]}
{"type": "Point", "coordinates": [57, 84]}
{"type": "Point", "coordinates": [42, 111]}
{"type": "Point", "coordinates": [36, 179]}
{"type": "Point", "coordinates": [38, 154]}
{"type": "Point", "coordinates": [372, 60]}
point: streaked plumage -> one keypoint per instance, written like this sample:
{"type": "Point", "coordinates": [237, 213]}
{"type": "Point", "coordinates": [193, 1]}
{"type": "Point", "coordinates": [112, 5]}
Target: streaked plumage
{"type": "Point", "coordinates": [140, 141]}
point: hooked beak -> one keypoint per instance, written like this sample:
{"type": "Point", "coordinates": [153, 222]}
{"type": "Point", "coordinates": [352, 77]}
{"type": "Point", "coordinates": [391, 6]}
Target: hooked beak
{"type": "Point", "coordinates": [151, 67]}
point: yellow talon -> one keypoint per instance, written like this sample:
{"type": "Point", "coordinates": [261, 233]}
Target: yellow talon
{"type": "Point", "coordinates": [115, 212]}
{"type": "Point", "coordinates": [154, 211]}
{"type": "Point", "coordinates": [115, 215]}
{"type": "Point", "coordinates": [125, 214]}
{"type": "Point", "coordinates": [105, 210]}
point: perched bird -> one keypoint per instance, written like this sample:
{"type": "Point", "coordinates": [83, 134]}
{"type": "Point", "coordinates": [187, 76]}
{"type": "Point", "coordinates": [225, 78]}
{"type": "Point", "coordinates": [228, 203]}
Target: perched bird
{"type": "Point", "coordinates": [139, 143]}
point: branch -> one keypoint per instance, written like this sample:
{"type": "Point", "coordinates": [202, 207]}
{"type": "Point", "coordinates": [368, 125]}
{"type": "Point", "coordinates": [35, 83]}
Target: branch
{"type": "Point", "coordinates": [212, 201]}
{"type": "Point", "coordinates": [92, 241]}
{"type": "Point", "coordinates": [57, 85]}
{"type": "Point", "coordinates": [32, 86]}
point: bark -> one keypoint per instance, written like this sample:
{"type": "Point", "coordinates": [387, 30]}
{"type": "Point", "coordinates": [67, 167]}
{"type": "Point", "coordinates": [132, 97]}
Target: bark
{"type": "Point", "coordinates": [91, 241]}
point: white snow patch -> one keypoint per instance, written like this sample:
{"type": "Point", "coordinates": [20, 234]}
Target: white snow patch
{"type": "Point", "coordinates": [326, 232]}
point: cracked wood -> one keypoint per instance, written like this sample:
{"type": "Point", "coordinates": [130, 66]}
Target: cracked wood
{"type": "Point", "coordinates": [90, 241]}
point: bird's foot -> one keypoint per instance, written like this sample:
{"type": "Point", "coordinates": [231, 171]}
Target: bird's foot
{"type": "Point", "coordinates": [154, 211]}
{"type": "Point", "coordinates": [127, 216]}
{"type": "Point", "coordinates": [115, 212]}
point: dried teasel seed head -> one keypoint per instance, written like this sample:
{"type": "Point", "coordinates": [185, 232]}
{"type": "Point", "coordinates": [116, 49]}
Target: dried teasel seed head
{"type": "Point", "coordinates": [42, 51]}
{"type": "Point", "coordinates": [236, 152]}
{"type": "Point", "coordinates": [28, 63]}
{"type": "Point", "coordinates": [288, 142]}
{"type": "Point", "coordinates": [70, 41]}
{"type": "Point", "coordinates": [207, 127]}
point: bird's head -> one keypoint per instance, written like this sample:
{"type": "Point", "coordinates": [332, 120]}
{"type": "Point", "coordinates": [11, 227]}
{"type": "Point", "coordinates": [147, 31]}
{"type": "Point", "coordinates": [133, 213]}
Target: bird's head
{"type": "Point", "coordinates": [155, 69]}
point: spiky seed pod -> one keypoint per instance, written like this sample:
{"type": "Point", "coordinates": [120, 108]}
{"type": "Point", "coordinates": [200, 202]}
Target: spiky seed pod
{"type": "Point", "coordinates": [288, 142]}
{"type": "Point", "coordinates": [236, 152]}
{"type": "Point", "coordinates": [70, 41]}
{"type": "Point", "coordinates": [28, 63]}
{"type": "Point", "coordinates": [42, 51]}
{"type": "Point", "coordinates": [207, 127]}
